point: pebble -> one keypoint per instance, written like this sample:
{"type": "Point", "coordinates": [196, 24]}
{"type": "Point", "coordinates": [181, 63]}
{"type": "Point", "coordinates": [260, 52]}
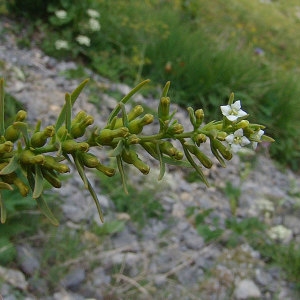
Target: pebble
{"type": "Point", "coordinates": [247, 289]}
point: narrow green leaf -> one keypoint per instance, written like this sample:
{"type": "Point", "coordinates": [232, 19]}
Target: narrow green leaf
{"type": "Point", "coordinates": [125, 99]}
{"type": "Point", "coordinates": [124, 115]}
{"type": "Point", "coordinates": [94, 195]}
{"type": "Point", "coordinates": [217, 155]}
{"type": "Point", "coordinates": [166, 89]}
{"type": "Point", "coordinates": [11, 167]}
{"type": "Point", "coordinates": [5, 186]}
{"type": "Point", "coordinates": [162, 166]}
{"type": "Point", "coordinates": [38, 182]}
{"type": "Point", "coordinates": [42, 204]}
{"type": "Point", "coordinates": [68, 106]}
{"type": "Point", "coordinates": [2, 210]}
{"type": "Point", "coordinates": [2, 107]}
{"type": "Point", "coordinates": [44, 208]}
{"type": "Point", "coordinates": [80, 170]}
{"type": "Point", "coordinates": [74, 95]}
{"type": "Point", "coordinates": [194, 165]}
{"type": "Point", "coordinates": [119, 148]}
{"type": "Point", "coordinates": [122, 173]}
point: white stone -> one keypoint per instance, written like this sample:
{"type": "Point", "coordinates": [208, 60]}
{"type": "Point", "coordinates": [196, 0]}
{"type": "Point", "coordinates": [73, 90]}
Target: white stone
{"type": "Point", "coordinates": [247, 289]}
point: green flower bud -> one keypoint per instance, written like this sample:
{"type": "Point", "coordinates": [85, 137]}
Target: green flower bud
{"type": "Point", "coordinates": [135, 112]}
{"type": "Point", "coordinates": [70, 146]}
{"type": "Point", "coordinates": [89, 160]}
{"type": "Point", "coordinates": [11, 133]}
{"type": "Point", "coordinates": [21, 116]}
{"type": "Point", "coordinates": [130, 157]}
{"type": "Point", "coordinates": [199, 139]}
{"type": "Point", "coordinates": [221, 135]}
{"type": "Point", "coordinates": [136, 126]}
{"type": "Point", "coordinates": [192, 116]}
{"type": "Point", "coordinates": [39, 139]}
{"type": "Point", "coordinates": [6, 147]}
{"type": "Point", "coordinates": [132, 139]}
{"type": "Point", "coordinates": [52, 164]}
{"type": "Point", "coordinates": [199, 114]}
{"type": "Point", "coordinates": [106, 136]}
{"type": "Point", "coordinates": [205, 161]}
{"type": "Point", "coordinates": [178, 155]}
{"type": "Point", "coordinates": [164, 108]}
{"type": "Point", "coordinates": [177, 128]}
{"type": "Point", "coordinates": [168, 148]}
{"type": "Point", "coordinates": [225, 152]}
{"type": "Point", "coordinates": [79, 117]}
{"type": "Point", "coordinates": [106, 170]}
{"type": "Point", "coordinates": [51, 177]}
{"type": "Point", "coordinates": [242, 124]}
{"type": "Point", "coordinates": [78, 129]}
{"type": "Point", "coordinates": [27, 157]}
{"type": "Point", "coordinates": [62, 132]}
{"type": "Point", "coordinates": [22, 187]}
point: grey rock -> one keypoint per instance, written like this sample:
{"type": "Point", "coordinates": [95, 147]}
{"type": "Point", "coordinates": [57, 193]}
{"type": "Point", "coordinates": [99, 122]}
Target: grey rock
{"type": "Point", "coordinates": [14, 278]}
{"type": "Point", "coordinates": [193, 240]}
{"type": "Point", "coordinates": [73, 280]}
{"type": "Point", "coordinates": [262, 277]}
{"type": "Point", "coordinates": [247, 289]}
{"type": "Point", "coordinates": [28, 259]}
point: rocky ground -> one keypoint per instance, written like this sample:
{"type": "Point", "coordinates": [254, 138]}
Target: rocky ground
{"type": "Point", "coordinates": [167, 258]}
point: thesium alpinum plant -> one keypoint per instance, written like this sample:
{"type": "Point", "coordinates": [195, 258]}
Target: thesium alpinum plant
{"type": "Point", "coordinates": [28, 156]}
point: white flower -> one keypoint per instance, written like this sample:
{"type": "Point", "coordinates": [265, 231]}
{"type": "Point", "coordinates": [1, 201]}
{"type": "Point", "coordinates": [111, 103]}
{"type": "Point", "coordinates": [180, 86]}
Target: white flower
{"type": "Point", "coordinates": [61, 44]}
{"type": "Point", "coordinates": [233, 112]}
{"type": "Point", "coordinates": [83, 40]}
{"type": "Point", "coordinates": [257, 137]}
{"type": "Point", "coordinates": [280, 233]}
{"type": "Point", "coordinates": [93, 13]}
{"type": "Point", "coordinates": [94, 24]}
{"type": "Point", "coordinates": [61, 14]}
{"type": "Point", "coordinates": [237, 140]}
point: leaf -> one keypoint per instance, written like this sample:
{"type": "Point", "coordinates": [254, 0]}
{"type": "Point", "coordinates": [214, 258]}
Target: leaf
{"type": "Point", "coordinates": [39, 182]}
{"type": "Point", "coordinates": [44, 208]}
{"type": "Point", "coordinates": [2, 210]}
{"type": "Point", "coordinates": [42, 204]}
{"type": "Point", "coordinates": [162, 166]}
{"type": "Point", "coordinates": [80, 170]}
{"type": "Point", "coordinates": [166, 89]}
{"type": "Point", "coordinates": [194, 165]}
{"type": "Point", "coordinates": [11, 167]}
{"type": "Point", "coordinates": [68, 106]}
{"type": "Point", "coordinates": [119, 148]}
{"type": "Point", "coordinates": [125, 99]}
{"type": "Point", "coordinates": [88, 185]}
{"type": "Point", "coordinates": [94, 195]}
{"type": "Point", "coordinates": [122, 173]}
{"type": "Point", "coordinates": [74, 96]}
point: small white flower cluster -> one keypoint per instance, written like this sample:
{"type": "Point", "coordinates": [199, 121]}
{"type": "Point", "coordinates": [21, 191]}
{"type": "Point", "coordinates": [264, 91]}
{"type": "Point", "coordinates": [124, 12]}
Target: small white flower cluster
{"type": "Point", "coordinates": [83, 40]}
{"type": "Point", "coordinates": [233, 112]}
{"type": "Point", "coordinates": [94, 23]}
{"type": "Point", "coordinates": [61, 44]}
{"type": "Point", "coordinates": [281, 233]}
{"type": "Point", "coordinates": [61, 14]}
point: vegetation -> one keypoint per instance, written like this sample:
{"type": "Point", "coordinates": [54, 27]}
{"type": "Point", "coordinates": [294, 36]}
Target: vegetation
{"type": "Point", "coordinates": [195, 45]}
